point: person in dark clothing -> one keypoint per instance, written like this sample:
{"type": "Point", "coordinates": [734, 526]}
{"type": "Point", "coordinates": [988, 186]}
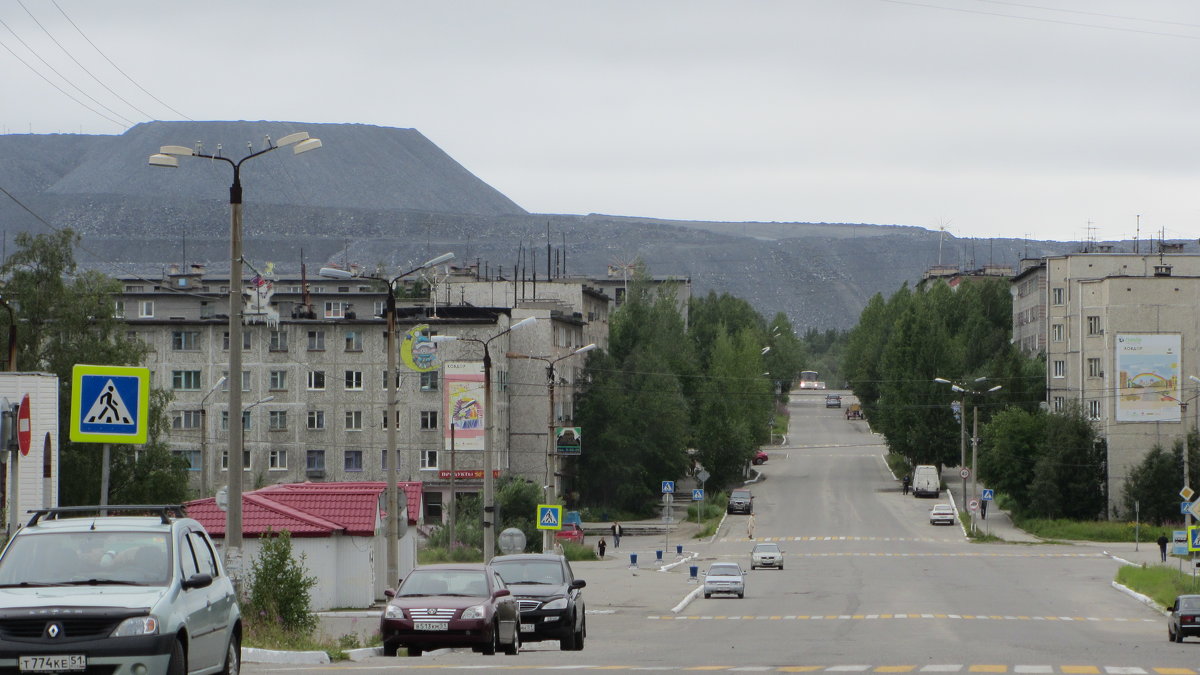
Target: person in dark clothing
{"type": "Point", "coordinates": [1162, 546]}
{"type": "Point", "coordinates": [983, 509]}
{"type": "Point", "coordinates": [616, 534]}
{"type": "Point", "coordinates": [907, 482]}
{"type": "Point", "coordinates": [600, 546]}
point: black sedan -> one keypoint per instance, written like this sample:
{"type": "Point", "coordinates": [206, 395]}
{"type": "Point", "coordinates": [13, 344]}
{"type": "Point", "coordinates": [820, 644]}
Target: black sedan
{"type": "Point", "coordinates": [453, 605]}
{"type": "Point", "coordinates": [550, 596]}
{"type": "Point", "coordinates": [1184, 619]}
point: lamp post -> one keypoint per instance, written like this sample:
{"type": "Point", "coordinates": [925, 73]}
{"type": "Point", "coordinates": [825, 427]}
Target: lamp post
{"type": "Point", "coordinates": [962, 414]}
{"type": "Point", "coordinates": [168, 156]}
{"type": "Point", "coordinates": [393, 522]}
{"type": "Point", "coordinates": [204, 436]}
{"type": "Point", "coordinates": [551, 455]}
{"type": "Point", "coordinates": [1187, 517]}
{"type": "Point", "coordinates": [489, 485]}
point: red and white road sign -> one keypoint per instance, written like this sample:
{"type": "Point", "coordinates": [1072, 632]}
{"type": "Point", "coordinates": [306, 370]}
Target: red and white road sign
{"type": "Point", "coordinates": [973, 505]}
{"type": "Point", "coordinates": [965, 472]}
{"type": "Point", "coordinates": [24, 426]}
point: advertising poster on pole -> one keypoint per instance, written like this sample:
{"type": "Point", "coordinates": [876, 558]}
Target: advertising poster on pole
{"type": "Point", "coordinates": [1147, 377]}
{"type": "Point", "coordinates": [465, 404]}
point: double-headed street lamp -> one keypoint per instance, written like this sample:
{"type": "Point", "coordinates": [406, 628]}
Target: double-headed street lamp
{"type": "Point", "coordinates": [489, 485]}
{"type": "Point", "coordinates": [551, 454]}
{"type": "Point", "coordinates": [168, 156]}
{"type": "Point", "coordinates": [965, 390]}
{"type": "Point", "coordinates": [393, 524]}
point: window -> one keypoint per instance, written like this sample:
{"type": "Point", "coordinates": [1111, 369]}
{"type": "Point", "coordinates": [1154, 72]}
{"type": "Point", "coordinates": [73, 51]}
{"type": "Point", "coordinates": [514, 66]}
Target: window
{"type": "Point", "coordinates": [119, 309]}
{"type": "Point", "coordinates": [353, 460]}
{"type": "Point", "coordinates": [385, 381]}
{"type": "Point", "coordinates": [335, 310]}
{"type": "Point", "coordinates": [245, 380]}
{"type": "Point", "coordinates": [277, 460]}
{"type": "Point", "coordinates": [1093, 368]}
{"type": "Point", "coordinates": [1093, 326]}
{"type": "Point", "coordinates": [279, 342]}
{"type": "Point", "coordinates": [385, 419]}
{"type": "Point", "coordinates": [429, 459]}
{"type": "Point", "coordinates": [316, 380]}
{"type": "Point", "coordinates": [186, 419]}
{"type": "Point", "coordinates": [502, 380]}
{"type": "Point", "coordinates": [314, 460]}
{"type": "Point", "coordinates": [379, 308]}
{"type": "Point", "coordinates": [429, 381]}
{"type": "Point", "coordinates": [354, 420]}
{"type": "Point", "coordinates": [354, 380]}
{"type": "Point", "coordinates": [278, 380]}
{"type": "Point", "coordinates": [245, 341]}
{"type": "Point", "coordinates": [429, 420]}
{"type": "Point", "coordinates": [245, 460]}
{"type": "Point", "coordinates": [277, 420]}
{"type": "Point", "coordinates": [316, 420]}
{"type": "Point", "coordinates": [1057, 296]}
{"type": "Point", "coordinates": [1094, 409]}
{"type": "Point", "coordinates": [316, 340]}
{"type": "Point", "coordinates": [185, 340]}
{"type": "Point", "coordinates": [1056, 332]}
{"type": "Point", "coordinates": [1060, 369]}
{"type": "Point", "coordinates": [1059, 403]}
{"type": "Point", "coordinates": [433, 506]}
{"type": "Point", "coordinates": [185, 380]}
{"type": "Point", "coordinates": [384, 465]}
{"type": "Point", "coordinates": [146, 309]}
{"type": "Point", "coordinates": [353, 341]}
{"type": "Point", "coordinates": [192, 457]}
{"type": "Point", "coordinates": [225, 420]}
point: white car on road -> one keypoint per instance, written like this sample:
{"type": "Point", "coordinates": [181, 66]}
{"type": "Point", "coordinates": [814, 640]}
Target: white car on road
{"type": "Point", "coordinates": [766, 555]}
{"type": "Point", "coordinates": [725, 577]}
{"type": "Point", "coordinates": [942, 513]}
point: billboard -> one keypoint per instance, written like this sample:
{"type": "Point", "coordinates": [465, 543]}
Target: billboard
{"type": "Point", "coordinates": [465, 403]}
{"type": "Point", "coordinates": [1147, 379]}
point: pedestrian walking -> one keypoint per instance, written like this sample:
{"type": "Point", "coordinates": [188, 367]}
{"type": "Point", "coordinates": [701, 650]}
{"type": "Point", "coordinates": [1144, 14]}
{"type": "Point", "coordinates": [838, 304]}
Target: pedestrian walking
{"type": "Point", "coordinates": [600, 546]}
{"type": "Point", "coordinates": [907, 482]}
{"type": "Point", "coordinates": [750, 526]}
{"type": "Point", "coordinates": [616, 534]}
{"type": "Point", "coordinates": [1162, 546]}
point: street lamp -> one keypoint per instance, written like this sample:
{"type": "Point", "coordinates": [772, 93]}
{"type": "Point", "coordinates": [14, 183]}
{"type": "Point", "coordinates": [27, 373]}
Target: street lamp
{"type": "Point", "coordinates": [168, 156]}
{"type": "Point", "coordinates": [204, 436]}
{"type": "Point", "coordinates": [962, 438]}
{"type": "Point", "coordinates": [1187, 517]}
{"type": "Point", "coordinates": [551, 477]}
{"type": "Point", "coordinates": [393, 523]}
{"type": "Point", "coordinates": [489, 488]}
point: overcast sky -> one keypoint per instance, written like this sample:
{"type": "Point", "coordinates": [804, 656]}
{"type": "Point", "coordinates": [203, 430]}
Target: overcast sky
{"type": "Point", "coordinates": [988, 117]}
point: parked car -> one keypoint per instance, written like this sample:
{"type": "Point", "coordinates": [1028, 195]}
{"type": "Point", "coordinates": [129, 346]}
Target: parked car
{"type": "Point", "coordinates": [725, 577]}
{"type": "Point", "coordinates": [451, 605]}
{"type": "Point", "coordinates": [1184, 619]}
{"type": "Point", "coordinates": [833, 401]}
{"type": "Point", "coordinates": [571, 532]}
{"type": "Point", "coordinates": [942, 513]}
{"type": "Point", "coordinates": [760, 457]}
{"type": "Point", "coordinates": [740, 501]}
{"type": "Point", "coordinates": [766, 555]}
{"type": "Point", "coordinates": [549, 596]}
{"type": "Point", "coordinates": [124, 589]}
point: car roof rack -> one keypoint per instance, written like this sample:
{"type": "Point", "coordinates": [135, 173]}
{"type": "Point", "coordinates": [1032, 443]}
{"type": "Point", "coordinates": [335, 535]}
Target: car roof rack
{"type": "Point", "coordinates": [164, 511]}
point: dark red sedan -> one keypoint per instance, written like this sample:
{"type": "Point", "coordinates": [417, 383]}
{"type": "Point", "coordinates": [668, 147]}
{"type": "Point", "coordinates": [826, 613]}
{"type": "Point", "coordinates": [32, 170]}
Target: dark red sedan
{"type": "Point", "coordinates": [571, 532]}
{"type": "Point", "coordinates": [452, 605]}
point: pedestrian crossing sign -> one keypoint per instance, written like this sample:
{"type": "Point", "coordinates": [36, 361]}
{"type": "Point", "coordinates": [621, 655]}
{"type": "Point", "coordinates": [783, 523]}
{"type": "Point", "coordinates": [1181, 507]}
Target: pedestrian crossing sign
{"type": "Point", "coordinates": [109, 404]}
{"type": "Point", "coordinates": [1193, 538]}
{"type": "Point", "coordinates": [549, 517]}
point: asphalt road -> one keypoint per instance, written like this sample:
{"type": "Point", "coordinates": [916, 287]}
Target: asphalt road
{"type": "Point", "coordinates": [868, 586]}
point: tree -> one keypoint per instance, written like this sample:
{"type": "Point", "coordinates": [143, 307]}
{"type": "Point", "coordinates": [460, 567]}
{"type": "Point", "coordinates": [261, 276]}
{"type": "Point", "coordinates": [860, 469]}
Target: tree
{"type": "Point", "coordinates": [1012, 443]}
{"type": "Point", "coordinates": [280, 586]}
{"type": "Point", "coordinates": [1069, 475]}
{"type": "Point", "coordinates": [1155, 482]}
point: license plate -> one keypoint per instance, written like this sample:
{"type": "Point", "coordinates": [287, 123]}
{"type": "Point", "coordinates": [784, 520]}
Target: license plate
{"type": "Point", "coordinates": [527, 628]}
{"type": "Point", "coordinates": [52, 664]}
{"type": "Point", "coordinates": [429, 625]}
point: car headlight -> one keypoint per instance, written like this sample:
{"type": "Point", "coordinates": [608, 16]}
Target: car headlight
{"type": "Point", "coordinates": [393, 612]}
{"type": "Point", "coordinates": [138, 625]}
{"type": "Point", "coordinates": [476, 612]}
{"type": "Point", "coordinates": [557, 603]}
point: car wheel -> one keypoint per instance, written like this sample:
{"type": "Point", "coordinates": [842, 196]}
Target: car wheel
{"type": "Point", "coordinates": [752, 567]}
{"type": "Point", "coordinates": [1170, 634]}
{"type": "Point", "coordinates": [569, 643]}
{"type": "Point", "coordinates": [582, 634]}
{"type": "Point", "coordinates": [513, 647]}
{"type": "Point", "coordinates": [1179, 636]}
{"type": "Point", "coordinates": [233, 656]}
{"type": "Point", "coordinates": [490, 648]}
{"type": "Point", "coordinates": [390, 648]}
{"type": "Point", "coordinates": [780, 565]}
{"type": "Point", "coordinates": [414, 651]}
{"type": "Point", "coordinates": [742, 595]}
{"type": "Point", "coordinates": [707, 596]}
{"type": "Point", "coordinates": [178, 663]}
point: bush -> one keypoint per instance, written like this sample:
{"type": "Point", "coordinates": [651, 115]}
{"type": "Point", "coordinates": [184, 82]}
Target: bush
{"type": "Point", "coordinates": [279, 589]}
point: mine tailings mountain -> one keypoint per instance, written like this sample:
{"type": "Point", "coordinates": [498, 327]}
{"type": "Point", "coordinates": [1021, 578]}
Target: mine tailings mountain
{"type": "Point", "coordinates": [376, 195]}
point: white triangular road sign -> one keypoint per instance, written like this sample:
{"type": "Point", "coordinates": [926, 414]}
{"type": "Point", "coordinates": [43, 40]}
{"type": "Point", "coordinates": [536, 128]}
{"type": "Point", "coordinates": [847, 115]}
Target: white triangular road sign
{"type": "Point", "coordinates": [109, 408]}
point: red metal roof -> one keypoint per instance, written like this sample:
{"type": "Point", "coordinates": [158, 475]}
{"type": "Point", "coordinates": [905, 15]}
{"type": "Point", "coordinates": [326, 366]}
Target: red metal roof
{"type": "Point", "coordinates": [307, 509]}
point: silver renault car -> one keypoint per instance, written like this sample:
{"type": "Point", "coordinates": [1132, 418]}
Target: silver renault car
{"type": "Point", "coordinates": [127, 590]}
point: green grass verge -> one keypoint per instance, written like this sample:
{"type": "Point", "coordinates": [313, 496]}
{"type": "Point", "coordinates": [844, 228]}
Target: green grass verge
{"type": "Point", "coordinates": [263, 635]}
{"type": "Point", "coordinates": [1158, 582]}
{"type": "Point", "coordinates": [1089, 530]}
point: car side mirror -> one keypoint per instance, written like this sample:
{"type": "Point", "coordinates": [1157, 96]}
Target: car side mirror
{"type": "Point", "coordinates": [503, 592]}
{"type": "Point", "coordinates": [1172, 607]}
{"type": "Point", "coordinates": [389, 593]}
{"type": "Point", "coordinates": [198, 581]}
{"type": "Point", "coordinates": [578, 583]}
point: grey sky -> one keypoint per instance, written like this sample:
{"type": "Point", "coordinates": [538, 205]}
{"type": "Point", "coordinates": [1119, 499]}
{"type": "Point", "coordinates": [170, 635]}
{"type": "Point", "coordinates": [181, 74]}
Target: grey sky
{"type": "Point", "coordinates": [991, 117]}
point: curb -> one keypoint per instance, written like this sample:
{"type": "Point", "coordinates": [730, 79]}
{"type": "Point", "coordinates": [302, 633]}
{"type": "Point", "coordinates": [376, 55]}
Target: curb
{"type": "Point", "coordinates": [252, 655]}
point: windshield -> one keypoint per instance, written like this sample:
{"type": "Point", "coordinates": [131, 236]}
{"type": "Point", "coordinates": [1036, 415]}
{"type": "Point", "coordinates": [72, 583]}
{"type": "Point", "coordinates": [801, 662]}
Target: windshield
{"type": "Point", "coordinates": [530, 571]}
{"type": "Point", "coordinates": [1191, 604]}
{"type": "Point", "coordinates": [62, 558]}
{"type": "Point", "coordinates": [741, 494]}
{"type": "Point", "coordinates": [766, 548]}
{"type": "Point", "coordinates": [444, 582]}
{"type": "Point", "coordinates": [725, 570]}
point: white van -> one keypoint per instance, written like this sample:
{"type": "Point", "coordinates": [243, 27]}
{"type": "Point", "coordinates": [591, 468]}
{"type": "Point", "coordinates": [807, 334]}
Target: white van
{"type": "Point", "coordinates": [927, 482]}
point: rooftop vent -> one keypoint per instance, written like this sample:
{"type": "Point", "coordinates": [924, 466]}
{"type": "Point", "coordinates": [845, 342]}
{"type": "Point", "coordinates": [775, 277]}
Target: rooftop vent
{"type": "Point", "coordinates": [1162, 270]}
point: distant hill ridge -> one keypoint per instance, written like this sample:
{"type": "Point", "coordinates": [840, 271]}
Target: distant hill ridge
{"type": "Point", "coordinates": [390, 196]}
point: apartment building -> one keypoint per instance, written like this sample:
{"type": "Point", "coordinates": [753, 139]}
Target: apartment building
{"type": "Point", "coordinates": [1120, 334]}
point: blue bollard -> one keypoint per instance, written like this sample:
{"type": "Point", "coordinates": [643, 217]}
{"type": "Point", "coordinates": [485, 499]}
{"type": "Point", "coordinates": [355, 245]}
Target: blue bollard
{"type": "Point", "coordinates": [633, 560]}
{"type": "Point", "coordinates": [679, 549]}
{"type": "Point", "coordinates": [694, 569]}
{"type": "Point", "coordinates": [659, 554]}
